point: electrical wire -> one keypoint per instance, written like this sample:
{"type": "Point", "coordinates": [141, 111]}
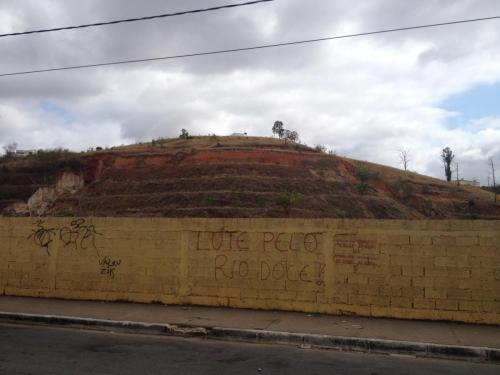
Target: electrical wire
{"type": "Point", "coordinates": [232, 50]}
{"type": "Point", "coordinates": [147, 18]}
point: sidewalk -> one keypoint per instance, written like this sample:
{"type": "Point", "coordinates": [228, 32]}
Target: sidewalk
{"type": "Point", "coordinates": [441, 333]}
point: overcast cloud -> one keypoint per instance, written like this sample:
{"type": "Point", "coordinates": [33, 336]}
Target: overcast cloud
{"type": "Point", "coordinates": [363, 97]}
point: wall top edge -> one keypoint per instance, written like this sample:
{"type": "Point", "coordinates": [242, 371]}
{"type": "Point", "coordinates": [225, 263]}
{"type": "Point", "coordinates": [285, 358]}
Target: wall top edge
{"type": "Point", "coordinates": [326, 224]}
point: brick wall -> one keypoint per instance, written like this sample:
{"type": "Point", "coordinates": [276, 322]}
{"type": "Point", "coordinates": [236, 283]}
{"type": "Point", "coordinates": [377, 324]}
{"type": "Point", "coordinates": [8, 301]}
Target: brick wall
{"type": "Point", "coordinates": [408, 269]}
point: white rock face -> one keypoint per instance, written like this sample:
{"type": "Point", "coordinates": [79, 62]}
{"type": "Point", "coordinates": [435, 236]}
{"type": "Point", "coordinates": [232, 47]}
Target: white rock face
{"type": "Point", "coordinates": [69, 183]}
{"type": "Point", "coordinates": [44, 197]}
{"type": "Point", "coordinates": [41, 200]}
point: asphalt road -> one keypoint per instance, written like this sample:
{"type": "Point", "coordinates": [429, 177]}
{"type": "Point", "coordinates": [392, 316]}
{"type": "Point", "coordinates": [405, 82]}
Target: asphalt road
{"type": "Point", "coordinates": [49, 350]}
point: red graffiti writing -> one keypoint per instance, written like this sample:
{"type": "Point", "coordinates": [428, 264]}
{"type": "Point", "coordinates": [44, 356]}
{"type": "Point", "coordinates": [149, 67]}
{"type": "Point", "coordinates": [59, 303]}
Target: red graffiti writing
{"type": "Point", "coordinates": [355, 259]}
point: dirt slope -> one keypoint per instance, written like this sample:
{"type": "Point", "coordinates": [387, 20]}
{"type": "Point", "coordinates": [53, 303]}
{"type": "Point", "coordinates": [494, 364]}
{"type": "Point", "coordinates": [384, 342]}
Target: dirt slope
{"type": "Point", "coordinates": [257, 177]}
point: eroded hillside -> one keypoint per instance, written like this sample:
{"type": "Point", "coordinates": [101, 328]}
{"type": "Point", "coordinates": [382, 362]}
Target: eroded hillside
{"type": "Point", "coordinates": [245, 177]}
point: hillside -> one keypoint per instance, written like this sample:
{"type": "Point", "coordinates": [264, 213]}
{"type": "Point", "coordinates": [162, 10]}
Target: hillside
{"type": "Point", "coordinates": [231, 177]}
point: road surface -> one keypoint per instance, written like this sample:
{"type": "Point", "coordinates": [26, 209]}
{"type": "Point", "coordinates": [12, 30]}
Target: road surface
{"type": "Point", "coordinates": [51, 350]}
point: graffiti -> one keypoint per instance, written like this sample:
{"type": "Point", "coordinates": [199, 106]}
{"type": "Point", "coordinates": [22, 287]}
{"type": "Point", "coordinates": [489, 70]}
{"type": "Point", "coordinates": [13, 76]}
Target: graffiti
{"type": "Point", "coordinates": [355, 244]}
{"type": "Point", "coordinates": [109, 266]}
{"type": "Point", "coordinates": [288, 242]}
{"type": "Point", "coordinates": [355, 260]}
{"type": "Point", "coordinates": [228, 270]}
{"type": "Point", "coordinates": [79, 235]}
{"type": "Point", "coordinates": [222, 241]}
{"type": "Point", "coordinates": [228, 266]}
{"type": "Point", "coordinates": [282, 270]}
{"type": "Point", "coordinates": [42, 236]}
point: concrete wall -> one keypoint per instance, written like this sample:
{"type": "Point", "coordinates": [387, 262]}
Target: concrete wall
{"type": "Point", "coordinates": [408, 269]}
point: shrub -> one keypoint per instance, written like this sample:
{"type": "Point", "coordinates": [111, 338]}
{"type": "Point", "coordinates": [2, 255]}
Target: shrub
{"type": "Point", "coordinates": [340, 212]}
{"type": "Point", "coordinates": [288, 199]}
{"type": "Point", "coordinates": [407, 190]}
{"type": "Point", "coordinates": [402, 188]}
{"type": "Point", "coordinates": [365, 175]}
{"type": "Point", "coordinates": [362, 188]}
{"type": "Point", "coordinates": [210, 201]}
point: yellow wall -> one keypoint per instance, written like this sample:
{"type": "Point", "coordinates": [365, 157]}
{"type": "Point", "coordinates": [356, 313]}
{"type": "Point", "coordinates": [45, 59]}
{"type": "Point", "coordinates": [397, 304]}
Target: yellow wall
{"type": "Point", "coordinates": [408, 269]}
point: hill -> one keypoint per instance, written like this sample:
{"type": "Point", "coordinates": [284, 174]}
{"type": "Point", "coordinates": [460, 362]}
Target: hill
{"type": "Point", "coordinates": [229, 177]}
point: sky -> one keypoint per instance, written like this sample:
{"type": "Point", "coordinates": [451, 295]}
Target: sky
{"type": "Point", "coordinates": [365, 98]}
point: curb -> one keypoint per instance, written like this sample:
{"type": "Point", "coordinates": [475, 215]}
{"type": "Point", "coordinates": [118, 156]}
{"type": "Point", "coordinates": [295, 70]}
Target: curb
{"type": "Point", "coordinates": [304, 340]}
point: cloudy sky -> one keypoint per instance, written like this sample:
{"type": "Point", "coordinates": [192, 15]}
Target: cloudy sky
{"type": "Point", "coordinates": [363, 97]}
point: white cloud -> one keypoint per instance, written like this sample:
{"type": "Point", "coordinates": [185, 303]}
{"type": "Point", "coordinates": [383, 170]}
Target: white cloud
{"type": "Point", "coordinates": [366, 97]}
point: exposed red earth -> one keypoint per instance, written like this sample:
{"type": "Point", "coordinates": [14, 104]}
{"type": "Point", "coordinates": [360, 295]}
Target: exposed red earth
{"type": "Point", "coordinates": [250, 177]}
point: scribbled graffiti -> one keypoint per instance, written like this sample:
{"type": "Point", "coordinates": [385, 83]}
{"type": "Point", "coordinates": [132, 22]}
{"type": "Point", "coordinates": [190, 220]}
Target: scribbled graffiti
{"type": "Point", "coordinates": [79, 234]}
{"type": "Point", "coordinates": [355, 260]}
{"type": "Point", "coordinates": [108, 266]}
{"type": "Point", "coordinates": [42, 236]}
{"type": "Point", "coordinates": [348, 242]}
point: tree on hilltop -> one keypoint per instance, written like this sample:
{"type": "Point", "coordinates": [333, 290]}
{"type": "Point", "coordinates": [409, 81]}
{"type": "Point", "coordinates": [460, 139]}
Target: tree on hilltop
{"type": "Point", "coordinates": [278, 129]}
{"type": "Point", "coordinates": [184, 134]}
{"type": "Point", "coordinates": [287, 135]}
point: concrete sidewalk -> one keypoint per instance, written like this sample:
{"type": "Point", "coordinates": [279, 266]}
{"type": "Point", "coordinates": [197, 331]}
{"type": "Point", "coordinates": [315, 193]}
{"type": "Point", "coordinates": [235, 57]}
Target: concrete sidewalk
{"type": "Point", "coordinates": [441, 333]}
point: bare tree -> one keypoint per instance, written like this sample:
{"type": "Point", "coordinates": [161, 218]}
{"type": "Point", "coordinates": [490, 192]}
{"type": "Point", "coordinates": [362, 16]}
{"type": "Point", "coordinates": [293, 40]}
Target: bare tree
{"type": "Point", "coordinates": [404, 157]}
{"type": "Point", "coordinates": [456, 171]}
{"type": "Point", "coordinates": [492, 166]}
{"type": "Point", "coordinates": [447, 157]}
{"type": "Point", "coordinates": [10, 149]}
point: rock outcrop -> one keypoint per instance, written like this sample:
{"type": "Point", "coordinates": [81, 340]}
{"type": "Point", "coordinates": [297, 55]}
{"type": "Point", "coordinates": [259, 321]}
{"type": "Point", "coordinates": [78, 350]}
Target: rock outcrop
{"type": "Point", "coordinates": [43, 199]}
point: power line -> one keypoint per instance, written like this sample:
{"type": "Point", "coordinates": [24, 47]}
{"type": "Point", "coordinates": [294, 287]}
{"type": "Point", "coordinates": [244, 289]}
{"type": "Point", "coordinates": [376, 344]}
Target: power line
{"type": "Point", "coordinates": [218, 52]}
{"type": "Point", "coordinates": [136, 19]}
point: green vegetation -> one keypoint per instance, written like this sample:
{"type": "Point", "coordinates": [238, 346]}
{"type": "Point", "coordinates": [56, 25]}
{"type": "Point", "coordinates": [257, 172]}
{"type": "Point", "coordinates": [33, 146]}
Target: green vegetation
{"type": "Point", "coordinates": [340, 212]}
{"type": "Point", "coordinates": [282, 133]}
{"type": "Point", "coordinates": [287, 200]}
{"type": "Point", "coordinates": [402, 189]}
{"type": "Point", "coordinates": [365, 175]}
{"type": "Point", "coordinates": [362, 188]}
{"type": "Point", "coordinates": [210, 201]}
